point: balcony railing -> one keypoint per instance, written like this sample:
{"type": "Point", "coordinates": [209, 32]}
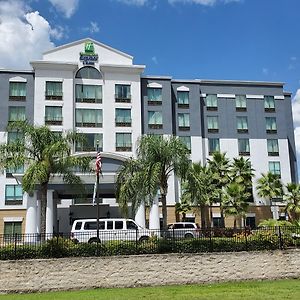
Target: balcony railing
{"type": "Point", "coordinates": [155, 126]}
{"type": "Point", "coordinates": [17, 98]}
{"type": "Point", "coordinates": [124, 148]}
{"type": "Point", "coordinates": [53, 121]}
{"type": "Point", "coordinates": [123, 98]}
{"type": "Point", "coordinates": [89, 100]}
{"type": "Point", "coordinates": [88, 124]}
{"type": "Point", "coordinates": [57, 96]}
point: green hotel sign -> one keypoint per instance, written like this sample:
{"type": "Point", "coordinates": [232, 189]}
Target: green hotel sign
{"type": "Point", "coordinates": [88, 57]}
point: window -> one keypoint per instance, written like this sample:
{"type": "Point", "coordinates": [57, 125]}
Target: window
{"type": "Point", "coordinates": [17, 91]}
{"type": "Point", "coordinates": [244, 147]}
{"type": "Point", "coordinates": [240, 103]}
{"type": "Point", "coordinates": [53, 90]}
{"type": "Point", "coordinates": [110, 224]}
{"type": "Point", "coordinates": [274, 168]}
{"type": "Point", "coordinates": [213, 146]}
{"type": "Point", "coordinates": [88, 117]}
{"type": "Point", "coordinates": [273, 149]}
{"type": "Point", "coordinates": [123, 142]}
{"type": "Point", "coordinates": [90, 226]}
{"type": "Point", "coordinates": [16, 113]}
{"type": "Point", "coordinates": [250, 222]}
{"type": "Point", "coordinates": [14, 136]}
{"type": "Point", "coordinates": [13, 194]}
{"type": "Point", "coordinates": [12, 230]}
{"type": "Point", "coordinates": [155, 120]}
{"type": "Point", "coordinates": [242, 124]}
{"type": "Point", "coordinates": [78, 225]}
{"type": "Point", "coordinates": [154, 96]}
{"type": "Point", "coordinates": [217, 222]}
{"type": "Point", "coordinates": [123, 117]}
{"type": "Point", "coordinates": [269, 104]}
{"type": "Point", "coordinates": [88, 93]}
{"type": "Point", "coordinates": [211, 102]}
{"type": "Point", "coordinates": [212, 124]}
{"type": "Point", "coordinates": [90, 142]}
{"type": "Point", "coordinates": [53, 115]}
{"type": "Point", "coordinates": [119, 225]}
{"type": "Point", "coordinates": [184, 121]}
{"type": "Point", "coordinates": [88, 73]}
{"type": "Point", "coordinates": [15, 170]}
{"type": "Point", "coordinates": [271, 126]}
{"type": "Point", "coordinates": [187, 141]}
{"type": "Point", "coordinates": [122, 93]}
{"type": "Point", "coordinates": [183, 99]}
{"type": "Point", "coordinates": [131, 225]}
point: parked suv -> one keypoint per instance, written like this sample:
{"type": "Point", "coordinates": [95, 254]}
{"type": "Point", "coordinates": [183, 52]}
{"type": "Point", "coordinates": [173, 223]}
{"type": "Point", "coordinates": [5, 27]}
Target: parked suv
{"type": "Point", "coordinates": [85, 230]}
{"type": "Point", "coordinates": [183, 230]}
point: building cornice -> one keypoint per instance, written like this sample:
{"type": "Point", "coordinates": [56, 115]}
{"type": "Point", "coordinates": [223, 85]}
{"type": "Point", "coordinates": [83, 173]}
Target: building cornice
{"type": "Point", "coordinates": [57, 65]}
{"type": "Point", "coordinates": [87, 40]}
{"type": "Point", "coordinates": [133, 69]}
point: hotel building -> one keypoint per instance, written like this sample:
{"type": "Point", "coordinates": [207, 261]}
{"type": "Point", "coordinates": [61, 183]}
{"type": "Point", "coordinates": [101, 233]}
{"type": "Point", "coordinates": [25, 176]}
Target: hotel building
{"type": "Point", "coordinates": [97, 90]}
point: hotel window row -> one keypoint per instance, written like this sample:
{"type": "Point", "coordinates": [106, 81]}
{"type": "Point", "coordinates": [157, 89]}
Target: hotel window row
{"type": "Point", "coordinates": [241, 124]}
{"type": "Point", "coordinates": [240, 103]}
{"type": "Point", "coordinates": [244, 146]}
{"type": "Point", "coordinates": [87, 93]}
{"type": "Point", "coordinates": [123, 142]}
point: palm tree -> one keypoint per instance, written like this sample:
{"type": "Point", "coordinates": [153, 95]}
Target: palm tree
{"type": "Point", "coordinates": [220, 167]}
{"type": "Point", "coordinates": [293, 200]}
{"type": "Point", "coordinates": [235, 201]}
{"type": "Point", "coordinates": [158, 158]}
{"type": "Point", "coordinates": [199, 189]}
{"type": "Point", "coordinates": [182, 208]}
{"type": "Point", "coordinates": [241, 172]}
{"type": "Point", "coordinates": [44, 154]}
{"type": "Point", "coordinates": [269, 186]}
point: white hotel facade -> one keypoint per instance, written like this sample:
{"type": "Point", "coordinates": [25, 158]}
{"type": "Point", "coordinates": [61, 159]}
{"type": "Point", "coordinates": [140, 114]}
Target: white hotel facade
{"type": "Point", "coordinates": [97, 90]}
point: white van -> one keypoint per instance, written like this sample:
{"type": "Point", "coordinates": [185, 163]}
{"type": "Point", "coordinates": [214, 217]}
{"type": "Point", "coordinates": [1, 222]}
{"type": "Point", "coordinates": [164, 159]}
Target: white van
{"type": "Point", "coordinates": [85, 230]}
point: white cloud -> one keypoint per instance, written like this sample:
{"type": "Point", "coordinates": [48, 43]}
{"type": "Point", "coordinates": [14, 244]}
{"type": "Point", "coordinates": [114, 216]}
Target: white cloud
{"type": "Point", "coordinates": [296, 117]}
{"type": "Point", "coordinates": [154, 59]}
{"type": "Point", "coordinates": [134, 2]}
{"type": "Point", "coordinates": [92, 28]}
{"type": "Point", "coordinates": [203, 2]}
{"type": "Point", "coordinates": [265, 71]}
{"type": "Point", "coordinates": [66, 7]}
{"type": "Point", "coordinates": [24, 35]}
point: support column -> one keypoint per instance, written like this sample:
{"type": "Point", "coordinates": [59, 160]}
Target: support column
{"type": "Point", "coordinates": [154, 215]}
{"type": "Point", "coordinates": [140, 217]}
{"type": "Point", "coordinates": [30, 225]}
{"type": "Point", "coordinates": [49, 212]}
{"type": "Point", "coordinates": [38, 216]}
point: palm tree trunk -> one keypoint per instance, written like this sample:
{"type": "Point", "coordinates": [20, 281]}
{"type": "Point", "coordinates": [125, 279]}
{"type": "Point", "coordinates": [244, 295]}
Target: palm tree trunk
{"type": "Point", "coordinates": [44, 188]}
{"type": "Point", "coordinates": [203, 216]}
{"type": "Point", "coordinates": [164, 211]}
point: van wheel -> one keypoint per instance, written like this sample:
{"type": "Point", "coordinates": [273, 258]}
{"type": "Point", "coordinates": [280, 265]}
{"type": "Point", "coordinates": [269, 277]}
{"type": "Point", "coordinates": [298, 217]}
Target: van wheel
{"type": "Point", "coordinates": [144, 239]}
{"type": "Point", "coordinates": [189, 236]}
{"type": "Point", "coordinates": [94, 241]}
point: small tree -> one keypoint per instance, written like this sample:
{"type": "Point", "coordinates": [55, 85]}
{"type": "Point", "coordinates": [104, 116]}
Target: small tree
{"type": "Point", "coordinates": [292, 197]}
{"type": "Point", "coordinates": [199, 189]}
{"type": "Point", "coordinates": [235, 201]}
{"type": "Point", "coordinates": [220, 168]}
{"type": "Point", "coordinates": [44, 154]}
{"type": "Point", "coordinates": [157, 159]}
{"type": "Point", "coordinates": [182, 208]}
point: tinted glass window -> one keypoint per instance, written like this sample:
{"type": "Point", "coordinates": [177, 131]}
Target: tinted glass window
{"type": "Point", "coordinates": [101, 225]}
{"type": "Point", "coordinates": [178, 226]}
{"type": "Point", "coordinates": [109, 225]}
{"type": "Point", "coordinates": [78, 225]}
{"type": "Point", "coordinates": [189, 226]}
{"type": "Point", "coordinates": [131, 225]}
{"type": "Point", "coordinates": [90, 225]}
{"type": "Point", "coordinates": [119, 225]}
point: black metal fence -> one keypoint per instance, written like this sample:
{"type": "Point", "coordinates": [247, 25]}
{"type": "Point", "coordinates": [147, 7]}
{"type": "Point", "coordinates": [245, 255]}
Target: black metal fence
{"type": "Point", "coordinates": [126, 242]}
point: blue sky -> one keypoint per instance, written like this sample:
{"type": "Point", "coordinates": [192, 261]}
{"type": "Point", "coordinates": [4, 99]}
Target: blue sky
{"type": "Point", "coordinates": [186, 39]}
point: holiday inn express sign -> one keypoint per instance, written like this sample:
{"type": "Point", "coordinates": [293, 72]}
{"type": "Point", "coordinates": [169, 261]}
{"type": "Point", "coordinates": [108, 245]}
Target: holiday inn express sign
{"type": "Point", "coordinates": [88, 57]}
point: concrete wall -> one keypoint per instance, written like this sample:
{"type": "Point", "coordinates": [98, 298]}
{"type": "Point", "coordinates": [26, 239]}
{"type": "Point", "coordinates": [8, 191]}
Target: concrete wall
{"type": "Point", "coordinates": [146, 270]}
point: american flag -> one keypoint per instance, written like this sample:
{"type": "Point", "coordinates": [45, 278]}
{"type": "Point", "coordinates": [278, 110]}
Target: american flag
{"type": "Point", "coordinates": [98, 163]}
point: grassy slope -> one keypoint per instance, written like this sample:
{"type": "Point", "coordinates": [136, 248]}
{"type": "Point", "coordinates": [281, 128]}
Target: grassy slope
{"type": "Point", "coordinates": [281, 289]}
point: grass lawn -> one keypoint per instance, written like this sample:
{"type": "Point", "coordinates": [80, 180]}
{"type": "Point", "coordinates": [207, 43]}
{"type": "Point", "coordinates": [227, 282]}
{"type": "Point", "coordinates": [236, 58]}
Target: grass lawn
{"type": "Point", "coordinates": [280, 289]}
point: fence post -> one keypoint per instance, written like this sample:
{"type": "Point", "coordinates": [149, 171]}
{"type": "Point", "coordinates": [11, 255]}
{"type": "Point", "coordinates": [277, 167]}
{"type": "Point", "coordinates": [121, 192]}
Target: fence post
{"type": "Point", "coordinates": [246, 241]}
{"type": "Point", "coordinates": [136, 241]}
{"type": "Point", "coordinates": [280, 239]}
{"type": "Point", "coordinates": [16, 237]}
{"type": "Point", "coordinates": [211, 245]}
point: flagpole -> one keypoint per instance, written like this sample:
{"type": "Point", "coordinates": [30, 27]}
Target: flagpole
{"type": "Point", "coordinates": [97, 197]}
